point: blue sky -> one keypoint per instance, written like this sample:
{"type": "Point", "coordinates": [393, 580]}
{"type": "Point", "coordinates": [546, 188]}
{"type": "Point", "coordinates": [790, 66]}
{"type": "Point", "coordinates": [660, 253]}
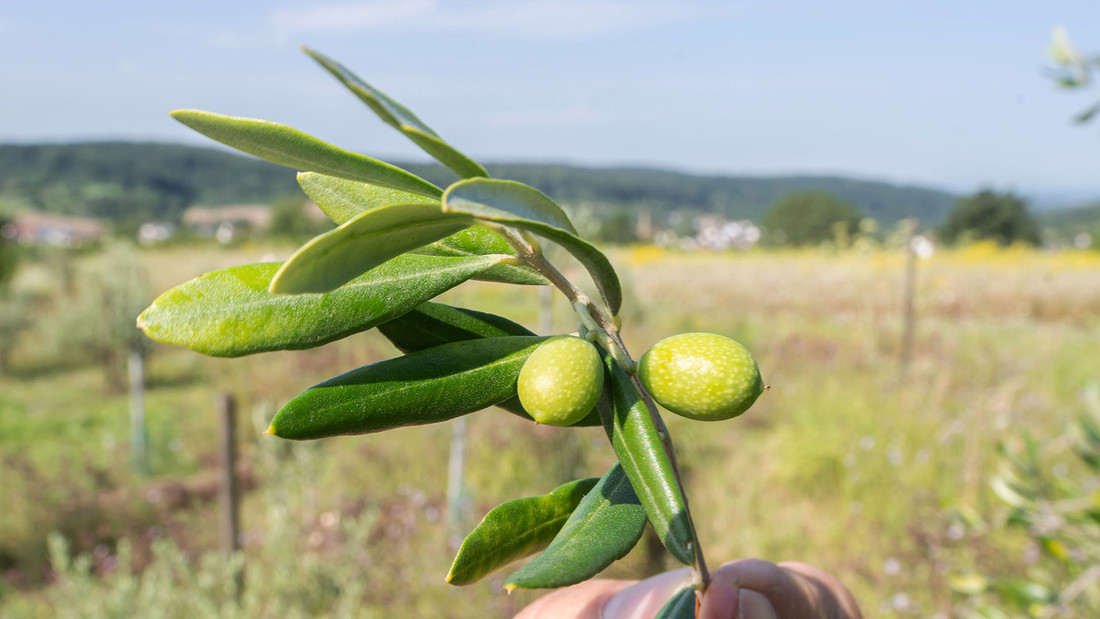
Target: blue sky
{"type": "Point", "coordinates": [944, 93]}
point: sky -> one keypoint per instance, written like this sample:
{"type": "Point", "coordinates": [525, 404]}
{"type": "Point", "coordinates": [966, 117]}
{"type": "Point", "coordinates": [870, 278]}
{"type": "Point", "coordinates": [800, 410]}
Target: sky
{"type": "Point", "coordinates": [949, 94]}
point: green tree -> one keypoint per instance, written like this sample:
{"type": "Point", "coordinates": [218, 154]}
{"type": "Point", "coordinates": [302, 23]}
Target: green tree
{"type": "Point", "coordinates": [809, 217]}
{"type": "Point", "coordinates": [289, 219]}
{"type": "Point", "coordinates": [990, 215]}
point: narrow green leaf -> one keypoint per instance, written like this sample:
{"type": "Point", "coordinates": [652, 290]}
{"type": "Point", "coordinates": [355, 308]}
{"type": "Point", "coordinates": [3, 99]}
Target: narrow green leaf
{"type": "Point", "coordinates": [336, 257]}
{"type": "Point", "coordinates": [605, 526]}
{"type": "Point", "coordinates": [1025, 592]}
{"type": "Point", "coordinates": [516, 204]}
{"type": "Point", "coordinates": [478, 240]}
{"type": "Point", "coordinates": [400, 118]}
{"type": "Point", "coordinates": [1011, 494]}
{"type": "Point", "coordinates": [230, 313]}
{"type": "Point", "coordinates": [636, 442]}
{"type": "Point", "coordinates": [495, 200]}
{"type": "Point", "coordinates": [288, 146]}
{"type": "Point", "coordinates": [342, 199]}
{"type": "Point", "coordinates": [1087, 114]}
{"type": "Point", "coordinates": [516, 529]}
{"type": "Point", "coordinates": [968, 584]}
{"type": "Point", "coordinates": [680, 606]}
{"type": "Point", "coordinates": [433, 324]}
{"type": "Point", "coordinates": [423, 387]}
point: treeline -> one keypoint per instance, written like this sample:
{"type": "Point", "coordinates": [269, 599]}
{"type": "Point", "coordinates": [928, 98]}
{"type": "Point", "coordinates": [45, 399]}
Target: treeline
{"type": "Point", "coordinates": [130, 182]}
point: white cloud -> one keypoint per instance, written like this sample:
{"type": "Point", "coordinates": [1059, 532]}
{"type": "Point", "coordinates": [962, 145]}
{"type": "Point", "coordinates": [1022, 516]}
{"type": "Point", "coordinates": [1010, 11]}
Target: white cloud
{"type": "Point", "coordinates": [540, 18]}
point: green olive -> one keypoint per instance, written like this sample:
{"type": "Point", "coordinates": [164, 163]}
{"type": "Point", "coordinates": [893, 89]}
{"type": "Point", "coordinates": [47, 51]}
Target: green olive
{"type": "Point", "coordinates": [561, 381]}
{"type": "Point", "coordinates": [702, 376]}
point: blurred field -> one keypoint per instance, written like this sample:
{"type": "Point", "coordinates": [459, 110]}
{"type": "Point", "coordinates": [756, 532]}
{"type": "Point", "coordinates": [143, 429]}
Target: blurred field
{"type": "Point", "coordinates": [849, 462]}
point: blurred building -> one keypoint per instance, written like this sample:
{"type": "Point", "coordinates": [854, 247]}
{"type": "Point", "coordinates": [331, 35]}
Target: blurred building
{"type": "Point", "coordinates": [226, 223]}
{"type": "Point", "coordinates": [37, 228]}
{"type": "Point", "coordinates": [712, 232]}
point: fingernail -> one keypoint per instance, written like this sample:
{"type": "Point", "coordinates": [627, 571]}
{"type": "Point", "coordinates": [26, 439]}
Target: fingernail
{"type": "Point", "coordinates": [753, 605]}
{"type": "Point", "coordinates": [644, 599]}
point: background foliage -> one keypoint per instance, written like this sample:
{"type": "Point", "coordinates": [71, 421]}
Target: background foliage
{"type": "Point", "coordinates": [125, 181]}
{"type": "Point", "coordinates": [1000, 217]}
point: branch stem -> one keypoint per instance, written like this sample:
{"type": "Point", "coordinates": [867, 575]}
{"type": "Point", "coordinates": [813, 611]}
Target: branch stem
{"type": "Point", "coordinates": [529, 252]}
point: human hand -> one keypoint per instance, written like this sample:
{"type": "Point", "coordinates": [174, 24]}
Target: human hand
{"type": "Point", "coordinates": [744, 589]}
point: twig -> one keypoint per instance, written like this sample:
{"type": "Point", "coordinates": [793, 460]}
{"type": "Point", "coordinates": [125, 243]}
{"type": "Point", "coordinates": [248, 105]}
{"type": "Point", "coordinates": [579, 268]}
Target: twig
{"type": "Point", "coordinates": [529, 253]}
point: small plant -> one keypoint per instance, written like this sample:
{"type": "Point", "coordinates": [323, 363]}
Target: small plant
{"type": "Point", "coordinates": [401, 242]}
{"type": "Point", "coordinates": [1050, 491]}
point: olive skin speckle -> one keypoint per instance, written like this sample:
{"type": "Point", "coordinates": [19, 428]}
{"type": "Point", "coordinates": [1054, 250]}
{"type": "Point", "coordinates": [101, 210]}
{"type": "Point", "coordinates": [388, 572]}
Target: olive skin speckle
{"type": "Point", "coordinates": [561, 381]}
{"type": "Point", "coordinates": [701, 376]}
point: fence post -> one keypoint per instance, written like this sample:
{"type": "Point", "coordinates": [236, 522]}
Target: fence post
{"type": "Point", "coordinates": [228, 491]}
{"type": "Point", "coordinates": [910, 317]}
{"type": "Point", "coordinates": [139, 435]}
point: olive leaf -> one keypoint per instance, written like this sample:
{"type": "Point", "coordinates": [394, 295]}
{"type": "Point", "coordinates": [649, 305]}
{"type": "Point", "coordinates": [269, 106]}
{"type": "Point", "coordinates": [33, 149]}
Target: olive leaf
{"type": "Point", "coordinates": [478, 240]}
{"type": "Point", "coordinates": [433, 324]}
{"type": "Point", "coordinates": [516, 529]}
{"type": "Point", "coordinates": [606, 525]}
{"type": "Point", "coordinates": [287, 146]}
{"type": "Point", "coordinates": [636, 442]}
{"type": "Point", "coordinates": [496, 200]}
{"type": "Point", "coordinates": [428, 386]}
{"type": "Point", "coordinates": [400, 118]}
{"type": "Point", "coordinates": [518, 205]}
{"type": "Point", "coordinates": [362, 243]}
{"type": "Point", "coordinates": [231, 312]}
{"type": "Point", "coordinates": [342, 199]}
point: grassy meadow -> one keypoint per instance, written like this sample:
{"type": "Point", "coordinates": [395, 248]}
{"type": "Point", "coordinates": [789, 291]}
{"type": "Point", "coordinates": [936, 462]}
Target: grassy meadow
{"type": "Point", "coordinates": [852, 462]}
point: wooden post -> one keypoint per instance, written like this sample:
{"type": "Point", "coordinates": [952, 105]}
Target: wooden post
{"type": "Point", "coordinates": [139, 436]}
{"type": "Point", "coordinates": [909, 301]}
{"type": "Point", "coordinates": [228, 492]}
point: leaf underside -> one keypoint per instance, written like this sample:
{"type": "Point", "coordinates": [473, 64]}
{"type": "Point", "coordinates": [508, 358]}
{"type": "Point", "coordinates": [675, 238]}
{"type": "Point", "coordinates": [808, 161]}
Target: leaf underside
{"type": "Point", "coordinates": [343, 200]}
{"type": "Point", "coordinates": [230, 313]}
{"type": "Point", "coordinates": [367, 240]}
{"type": "Point", "coordinates": [517, 205]}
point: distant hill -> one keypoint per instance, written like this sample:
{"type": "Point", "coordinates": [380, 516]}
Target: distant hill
{"type": "Point", "coordinates": [126, 181]}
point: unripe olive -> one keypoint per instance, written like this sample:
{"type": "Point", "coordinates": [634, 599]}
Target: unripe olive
{"type": "Point", "coordinates": [703, 376]}
{"type": "Point", "coordinates": [561, 381]}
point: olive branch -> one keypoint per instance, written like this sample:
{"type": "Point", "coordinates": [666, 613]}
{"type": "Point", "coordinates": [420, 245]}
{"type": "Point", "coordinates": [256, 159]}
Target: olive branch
{"type": "Point", "coordinates": [400, 242]}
